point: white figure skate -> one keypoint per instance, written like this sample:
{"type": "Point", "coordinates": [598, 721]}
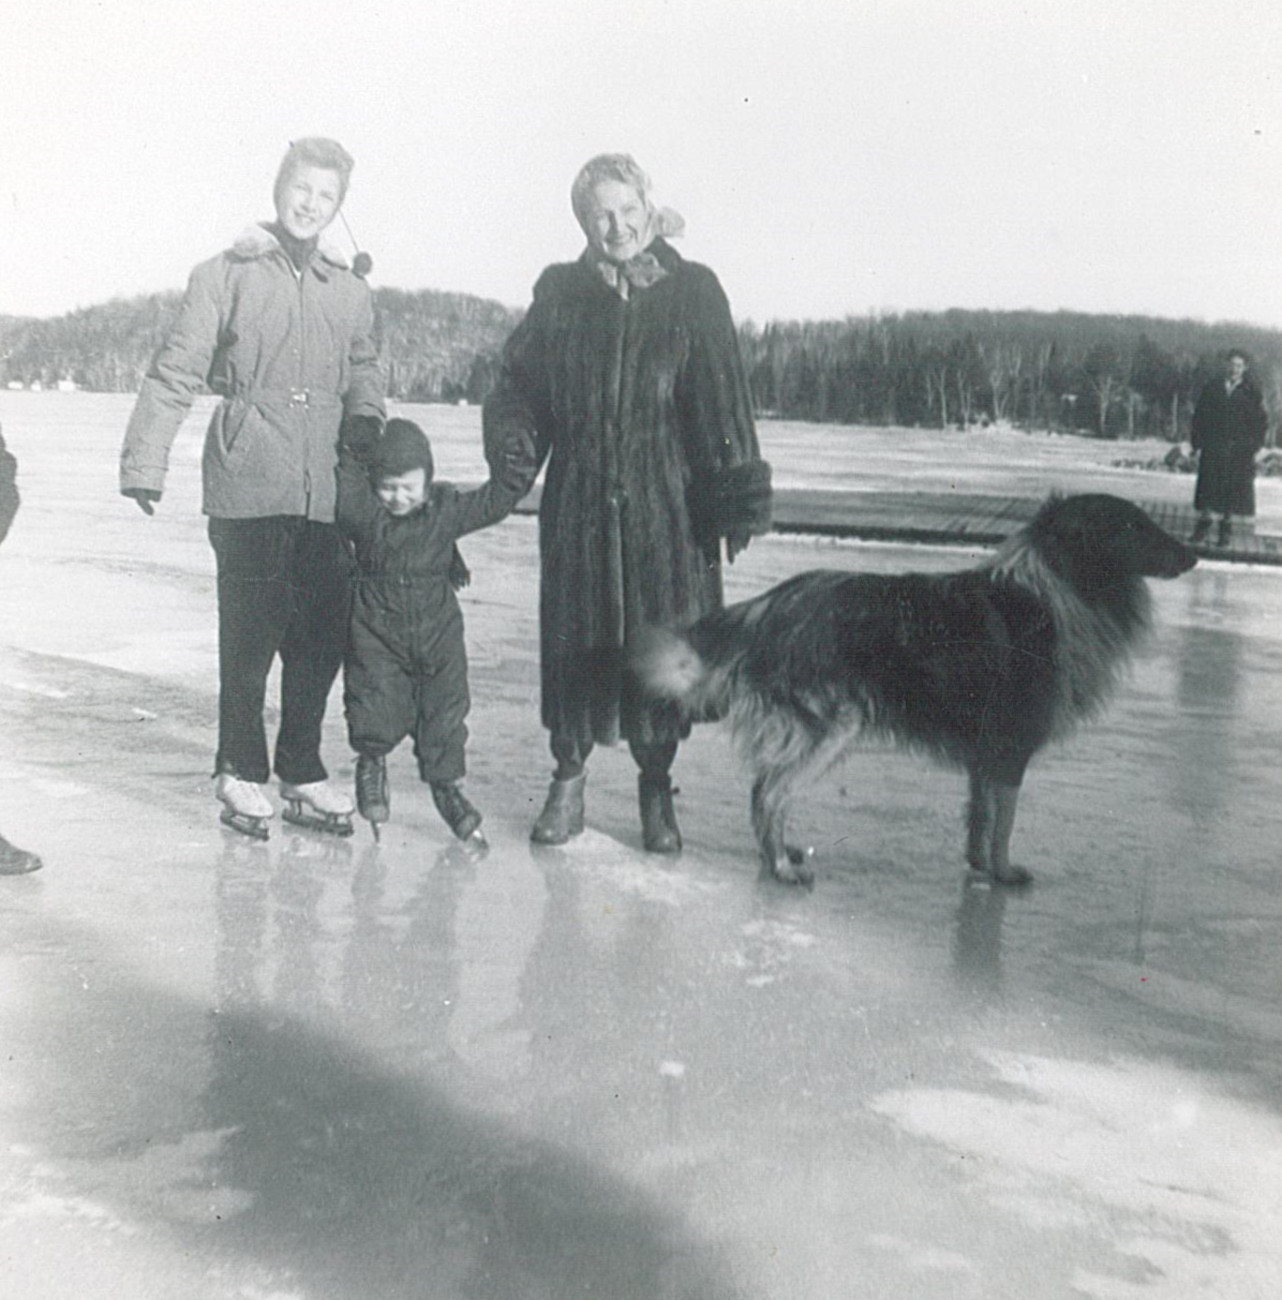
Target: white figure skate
{"type": "Point", "coordinates": [318, 806]}
{"type": "Point", "coordinates": [245, 807]}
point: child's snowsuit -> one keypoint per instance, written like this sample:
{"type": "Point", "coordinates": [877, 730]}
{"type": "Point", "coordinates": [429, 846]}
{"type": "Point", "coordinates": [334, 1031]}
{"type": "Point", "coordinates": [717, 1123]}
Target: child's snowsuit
{"type": "Point", "coordinates": [406, 667]}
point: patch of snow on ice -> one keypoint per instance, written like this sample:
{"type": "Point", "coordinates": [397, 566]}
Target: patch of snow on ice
{"type": "Point", "coordinates": [58, 789]}
{"type": "Point", "coordinates": [1188, 1179]}
{"type": "Point", "coordinates": [634, 872]}
{"type": "Point", "coordinates": [33, 688]}
{"type": "Point", "coordinates": [921, 1257]}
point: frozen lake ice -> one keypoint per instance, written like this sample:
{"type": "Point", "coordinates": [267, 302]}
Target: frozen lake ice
{"type": "Point", "coordinates": [320, 1070]}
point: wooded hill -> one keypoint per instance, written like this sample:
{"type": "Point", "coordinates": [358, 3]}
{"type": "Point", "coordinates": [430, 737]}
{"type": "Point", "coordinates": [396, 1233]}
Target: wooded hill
{"type": "Point", "coordinates": [1113, 376]}
{"type": "Point", "coordinates": [437, 347]}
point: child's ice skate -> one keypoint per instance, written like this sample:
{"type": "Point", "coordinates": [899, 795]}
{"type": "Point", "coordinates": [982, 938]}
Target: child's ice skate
{"type": "Point", "coordinates": [245, 807]}
{"type": "Point", "coordinates": [317, 806]}
{"type": "Point", "coordinates": [460, 816]}
{"type": "Point", "coordinates": [372, 798]}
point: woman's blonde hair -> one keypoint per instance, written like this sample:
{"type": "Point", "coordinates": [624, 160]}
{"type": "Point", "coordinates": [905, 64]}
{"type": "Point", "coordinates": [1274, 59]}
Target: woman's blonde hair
{"type": "Point", "coordinates": [315, 151]}
{"type": "Point", "coordinates": [620, 167]}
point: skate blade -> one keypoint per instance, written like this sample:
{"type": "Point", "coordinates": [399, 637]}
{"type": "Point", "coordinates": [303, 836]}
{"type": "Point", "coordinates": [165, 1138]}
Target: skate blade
{"type": "Point", "coordinates": [254, 827]}
{"type": "Point", "coordinates": [475, 845]}
{"type": "Point", "coordinates": [20, 864]}
{"type": "Point", "coordinates": [339, 824]}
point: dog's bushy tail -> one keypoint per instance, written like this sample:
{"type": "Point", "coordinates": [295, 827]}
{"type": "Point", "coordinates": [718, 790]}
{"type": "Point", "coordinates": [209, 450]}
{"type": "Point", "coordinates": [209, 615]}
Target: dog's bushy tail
{"type": "Point", "coordinates": [696, 667]}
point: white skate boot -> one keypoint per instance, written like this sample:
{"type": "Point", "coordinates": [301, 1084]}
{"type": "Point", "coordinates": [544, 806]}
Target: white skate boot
{"type": "Point", "coordinates": [318, 806]}
{"type": "Point", "coordinates": [245, 807]}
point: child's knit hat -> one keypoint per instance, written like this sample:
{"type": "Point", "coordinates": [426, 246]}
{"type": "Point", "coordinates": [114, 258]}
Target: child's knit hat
{"type": "Point", "coordinates": [403, 447]}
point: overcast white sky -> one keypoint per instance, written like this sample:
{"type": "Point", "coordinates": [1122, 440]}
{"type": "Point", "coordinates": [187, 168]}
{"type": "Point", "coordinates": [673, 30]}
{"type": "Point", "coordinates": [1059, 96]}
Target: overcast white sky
{"type": "Point", "coordinates": [830, 156]}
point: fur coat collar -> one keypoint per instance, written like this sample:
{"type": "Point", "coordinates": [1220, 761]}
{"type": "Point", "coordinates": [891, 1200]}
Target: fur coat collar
{"type": "Point", "coordinates": [257, 241]}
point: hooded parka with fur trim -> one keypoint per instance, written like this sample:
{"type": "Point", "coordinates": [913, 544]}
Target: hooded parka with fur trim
{"type": "Point", "coordinates": [289, 352]}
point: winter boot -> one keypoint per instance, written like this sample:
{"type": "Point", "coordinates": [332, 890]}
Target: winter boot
{"type": "Point", "coordinates": [459, 815]}
{"type": "Point", "coordinates": [562, 815]}
{"type": "Point", "coordinates": [1201, 530]}
{"type": "Point", "coordinates": [373, 801]}
{"type": "Point", "coordinates": [1224, 535]}
{"type": "Point", "coordinates": [15, 861]}
{"type": "Point", "coordinates": [659, 830]}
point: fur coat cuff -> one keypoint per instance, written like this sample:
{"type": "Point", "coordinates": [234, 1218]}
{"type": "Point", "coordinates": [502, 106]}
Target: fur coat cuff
{"type": "Point", "coordinates": [740, 499]}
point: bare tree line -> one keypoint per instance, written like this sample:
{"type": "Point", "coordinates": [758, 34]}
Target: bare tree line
{"type": "Point", "coordinates": [1111, 376]}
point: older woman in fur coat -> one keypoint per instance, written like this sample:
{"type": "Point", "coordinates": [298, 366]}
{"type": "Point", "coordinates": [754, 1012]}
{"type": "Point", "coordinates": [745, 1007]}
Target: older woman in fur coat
{"type": "Point", "coordinates": [626, 374]}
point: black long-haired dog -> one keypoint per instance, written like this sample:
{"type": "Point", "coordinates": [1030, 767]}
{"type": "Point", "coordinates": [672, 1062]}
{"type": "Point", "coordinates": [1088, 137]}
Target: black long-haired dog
{"type": "Point", "coordinates": [978, 669]}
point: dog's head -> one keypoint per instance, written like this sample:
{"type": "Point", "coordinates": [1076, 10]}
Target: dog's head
{"type": "Point", "coordinates": [1096, 539]}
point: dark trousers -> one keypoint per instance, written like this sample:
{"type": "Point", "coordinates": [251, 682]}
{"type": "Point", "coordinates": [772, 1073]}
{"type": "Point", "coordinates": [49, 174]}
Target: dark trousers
{"type": "Point", "coordinates": [571, 756]}
{"type": "Point", "coordinates": [284, 588]}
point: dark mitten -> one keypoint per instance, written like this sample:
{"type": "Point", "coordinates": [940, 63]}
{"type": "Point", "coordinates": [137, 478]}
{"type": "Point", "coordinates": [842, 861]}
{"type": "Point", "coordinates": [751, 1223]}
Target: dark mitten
{"type": "Point", "coordinates": [146, 498]}
{"type": "Point", "coordinates": [740, 503]}
{"type": "Point", "coordinates": [359, 435]}
{"type": "Point", "coordinates": [460, 574]}
{"type": "Point", "coordinates": [513, 463]}
{"type": "Point", "coordinates": [519, 469]}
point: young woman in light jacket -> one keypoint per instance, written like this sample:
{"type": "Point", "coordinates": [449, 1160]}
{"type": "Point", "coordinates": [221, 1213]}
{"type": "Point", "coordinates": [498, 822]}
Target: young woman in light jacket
{"type": "Point", "coordinates": [280, 327]}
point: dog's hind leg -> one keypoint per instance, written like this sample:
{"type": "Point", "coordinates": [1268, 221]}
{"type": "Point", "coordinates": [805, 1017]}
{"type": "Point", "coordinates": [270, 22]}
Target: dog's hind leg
{"type": "Point", "coordinates": [771, 795]}
{"type": "Point", "coordinates": [786, 750]}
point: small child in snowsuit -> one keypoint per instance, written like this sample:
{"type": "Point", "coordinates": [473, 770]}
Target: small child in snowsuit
{"type": "Point", "coordinates": [405, 671]}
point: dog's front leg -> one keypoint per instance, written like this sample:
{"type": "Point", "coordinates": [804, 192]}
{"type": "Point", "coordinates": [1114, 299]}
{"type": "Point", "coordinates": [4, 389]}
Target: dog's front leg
{"type": "Point", "coordinates": [1005, 799]}
{"type": "Point", "coordinates": [992, 818]}
{"type": "Point", "coordinates": [979, 830]}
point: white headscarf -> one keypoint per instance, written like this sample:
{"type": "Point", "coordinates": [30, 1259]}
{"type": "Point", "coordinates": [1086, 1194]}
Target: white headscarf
{"type": "Point", "coordinates": [644, 269]}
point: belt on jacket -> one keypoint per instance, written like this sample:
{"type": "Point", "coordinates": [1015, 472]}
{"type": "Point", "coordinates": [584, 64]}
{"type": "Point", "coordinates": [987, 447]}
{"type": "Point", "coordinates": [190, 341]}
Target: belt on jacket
{"type": "Point", "coordinates": [290, 396]}
{"type": "Point", "coordinates": [426, 578]}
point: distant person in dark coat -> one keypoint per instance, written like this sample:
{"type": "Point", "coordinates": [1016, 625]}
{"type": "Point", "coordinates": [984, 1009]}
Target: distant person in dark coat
{"type": "Point", "coordinates": [1229, 422]}
{"type": "Point", "coordinates": [13, 860]}
{"type": "Point", "coordinates": [280, 326]}
{"type": "Point", "coordinates": [405, 672]}
{"type": "Point", "coordinates": [626, 374]}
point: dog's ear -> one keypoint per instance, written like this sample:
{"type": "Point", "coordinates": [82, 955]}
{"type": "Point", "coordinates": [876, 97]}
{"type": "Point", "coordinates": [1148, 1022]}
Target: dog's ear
{"type": "Point", "coordinates": [1082, 537]}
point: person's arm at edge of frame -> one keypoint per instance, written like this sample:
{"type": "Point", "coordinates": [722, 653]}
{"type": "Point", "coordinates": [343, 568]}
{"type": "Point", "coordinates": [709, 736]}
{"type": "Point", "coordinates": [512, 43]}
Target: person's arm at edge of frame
{"type": "Point", "coordinates": [9, 497]}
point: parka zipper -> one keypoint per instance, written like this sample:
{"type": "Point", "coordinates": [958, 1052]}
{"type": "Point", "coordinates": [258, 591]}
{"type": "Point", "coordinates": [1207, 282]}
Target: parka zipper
{"type": "Point", "coordinates": [305, 413]}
